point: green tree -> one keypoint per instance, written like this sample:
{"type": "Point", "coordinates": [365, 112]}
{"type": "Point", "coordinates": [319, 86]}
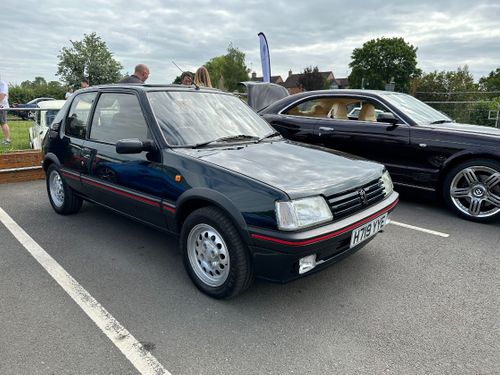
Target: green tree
{"type": "Point", "coordinates": [229, 69]}
{"type": "Point", "coordinates": [312, 79]}
{"type": "Point", "coordinates": [450, 86]}
{"type": "Point", "coordinates": [88, 58]}
{"type": "Point", "coordinates": [447, 85]}
{"type": "Point", "coordinates": [380, 61]}
{"type": "Point", "coordinates": [491, 82]}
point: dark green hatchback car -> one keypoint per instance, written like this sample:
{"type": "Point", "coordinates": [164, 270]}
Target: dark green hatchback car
{"type": "Point", "coordinates": [200, 164]}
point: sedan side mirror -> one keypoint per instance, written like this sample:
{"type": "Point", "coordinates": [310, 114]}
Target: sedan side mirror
{"type": "Point", "coordinates": [134, 146]}
{"type": "Point", "coordinates": [387, 117]}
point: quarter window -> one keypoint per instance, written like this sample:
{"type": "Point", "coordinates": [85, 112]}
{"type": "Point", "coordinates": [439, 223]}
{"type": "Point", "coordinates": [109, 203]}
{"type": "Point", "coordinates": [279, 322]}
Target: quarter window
{"type": "Point", "coordinates": [118, 116]}
{"type": "Point", "coordinates": [76, 123]}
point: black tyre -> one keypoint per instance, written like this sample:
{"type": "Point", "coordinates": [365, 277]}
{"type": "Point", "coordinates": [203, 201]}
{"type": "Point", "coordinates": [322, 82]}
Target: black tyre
{"type": "Point", "coordinates": [472, 190]}
{"type": "Point", "coordinates": [63, 200]}
{"type": "Point", "coordinates": [214, 255]}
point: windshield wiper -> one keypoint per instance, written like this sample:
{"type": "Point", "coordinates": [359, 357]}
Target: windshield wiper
{"type": "Point", "coordinates": [230, 138]}
{"type": "Point", "coordinates": [270, 135]}
{"type": "Point", "coordinates": [443, 121]}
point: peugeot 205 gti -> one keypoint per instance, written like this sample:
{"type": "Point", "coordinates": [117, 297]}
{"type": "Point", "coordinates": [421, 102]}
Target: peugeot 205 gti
{"type": "Point", "coordinates": [201, 164]}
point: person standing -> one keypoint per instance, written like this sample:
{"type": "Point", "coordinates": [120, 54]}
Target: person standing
{"type": "Point", "coordinates": [68, 93]}
{"type": "Point", "coordinates": [186, 78]}
{"type": "Point", "coordinates": [202, 78]}
{"type": "Point", "coordinates": [141, 74]}
{"type": "Point", "coordinates": [84, 83]}
{"type": "Point", "coordinates": [4, 103]}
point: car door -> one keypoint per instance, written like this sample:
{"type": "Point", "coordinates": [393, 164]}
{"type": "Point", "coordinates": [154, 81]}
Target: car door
{"type": "Point", "coordinates": [75, 159]}
{"type": "Point", "coordinates": [129, 183]}
{"type": "Point", "coordinates": [365, 136]}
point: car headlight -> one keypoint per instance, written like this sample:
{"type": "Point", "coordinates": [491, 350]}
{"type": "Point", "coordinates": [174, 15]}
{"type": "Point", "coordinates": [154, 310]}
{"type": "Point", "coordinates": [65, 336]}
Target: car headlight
{"type": "Point", "coordinates": [387, 182]}
{"type": "Point", "coordinates": [302, 213]}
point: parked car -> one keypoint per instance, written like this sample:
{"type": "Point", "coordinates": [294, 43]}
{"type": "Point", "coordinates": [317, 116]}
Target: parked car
{"type": "Point", "coordinates": [201, 164]}
{"type": "Point", "coordinates": [25, 115]}
{"type": "Point", "coordinates": [421, 147]}
{"type": "Point", "coordinates": [41, 121]}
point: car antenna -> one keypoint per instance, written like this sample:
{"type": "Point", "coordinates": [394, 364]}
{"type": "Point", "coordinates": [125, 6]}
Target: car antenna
{"type": "Point", "coordinates": [195, 85]}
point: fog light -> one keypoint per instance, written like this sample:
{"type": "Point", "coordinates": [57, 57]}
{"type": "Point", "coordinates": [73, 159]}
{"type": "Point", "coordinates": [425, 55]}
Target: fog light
{"type": "Point", "coordinates": [307, 263]}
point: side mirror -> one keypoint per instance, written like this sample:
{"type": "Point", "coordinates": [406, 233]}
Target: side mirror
{"type": "Point", "coordinates": [387, 117]}
{"type": "Point", "coordinates": [55, 126]}
{"type": "Point", "coordinates": [134, 146]}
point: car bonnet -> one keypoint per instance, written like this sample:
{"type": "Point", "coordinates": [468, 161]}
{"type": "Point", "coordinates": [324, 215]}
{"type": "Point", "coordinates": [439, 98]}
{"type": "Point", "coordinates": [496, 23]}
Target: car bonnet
{"type": "Point", "coordinates": [296, 169]}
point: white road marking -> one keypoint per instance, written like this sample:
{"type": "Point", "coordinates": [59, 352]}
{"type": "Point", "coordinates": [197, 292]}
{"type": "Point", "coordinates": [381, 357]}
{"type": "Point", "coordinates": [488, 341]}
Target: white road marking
{"type": "Point", "coordinates": [440, 234]}
{"type": "Point", "coordinates": [132, 349]}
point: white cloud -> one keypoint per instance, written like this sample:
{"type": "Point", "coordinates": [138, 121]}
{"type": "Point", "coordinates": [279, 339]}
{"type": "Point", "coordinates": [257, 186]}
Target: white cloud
{"type": "Point", "coordinates": [300, 33]}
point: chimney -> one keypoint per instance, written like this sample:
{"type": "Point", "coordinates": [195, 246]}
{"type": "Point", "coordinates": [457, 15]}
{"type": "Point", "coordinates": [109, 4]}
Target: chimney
{"type": "Point", "coordinates": [254, 75]}
{"type": "Point", "coordinates": [289, 72]}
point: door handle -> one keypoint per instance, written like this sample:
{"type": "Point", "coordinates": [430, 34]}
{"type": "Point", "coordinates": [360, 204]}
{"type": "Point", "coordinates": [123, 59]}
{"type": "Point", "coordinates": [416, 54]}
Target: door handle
{"type": "Point", "coordinates": [86, 152]}
{"type": "Point", "coordinates": [325, 129]}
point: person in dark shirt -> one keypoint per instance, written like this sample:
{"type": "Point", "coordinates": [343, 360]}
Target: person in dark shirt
{"type": "Point", "coordinates": [141, 74]}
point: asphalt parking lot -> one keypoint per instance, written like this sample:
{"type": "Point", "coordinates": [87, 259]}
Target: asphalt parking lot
{"type": "Point", "coordinates": [410, 302]}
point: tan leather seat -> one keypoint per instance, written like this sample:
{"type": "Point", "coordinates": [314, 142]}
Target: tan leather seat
{"type": "Point", "coordinates": [338, 111]}
{"type": "Point", "coordinates": [367, 113]}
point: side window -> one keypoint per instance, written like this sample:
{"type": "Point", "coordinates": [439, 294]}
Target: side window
{"type": "Point", "coordinates": [318, 107]}
{"type": "Point", "coordinates": [76, 123]}
{"type": "Point", "coordinates": [118, 116]}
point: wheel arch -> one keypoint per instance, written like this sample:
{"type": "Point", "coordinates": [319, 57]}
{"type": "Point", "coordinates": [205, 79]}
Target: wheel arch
{"type": "Point", "coordinates": [197, 198]}
{"type": "Point", "coordinates": [50, 159]}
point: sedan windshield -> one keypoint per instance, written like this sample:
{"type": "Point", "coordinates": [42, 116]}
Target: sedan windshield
{"type": "Point", "coordinates": [418, 111]}
{"type": "Point", "coordinates": [202, 118]}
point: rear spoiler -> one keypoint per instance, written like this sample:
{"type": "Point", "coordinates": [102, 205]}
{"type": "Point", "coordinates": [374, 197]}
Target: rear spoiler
{"type": "Point", "coordinates": [262, 94]}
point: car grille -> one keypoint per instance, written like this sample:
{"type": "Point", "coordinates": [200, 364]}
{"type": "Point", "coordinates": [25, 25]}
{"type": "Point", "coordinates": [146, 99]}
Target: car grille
{"type": "Point", "coordinates": [355, 200]}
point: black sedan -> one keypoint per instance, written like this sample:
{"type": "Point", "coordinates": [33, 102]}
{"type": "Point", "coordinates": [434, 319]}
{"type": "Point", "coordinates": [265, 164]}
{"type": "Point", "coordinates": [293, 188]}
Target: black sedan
{"type": "Point", "coordinates": [422, 148]}
{"type": "Point", "coordinates": [200, 164]}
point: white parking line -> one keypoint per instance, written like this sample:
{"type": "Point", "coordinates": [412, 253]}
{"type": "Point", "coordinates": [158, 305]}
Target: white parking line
{"type": "Point", "coordinates": [132, 349]}
{"type": "Point", "coordinates": [440, 234]}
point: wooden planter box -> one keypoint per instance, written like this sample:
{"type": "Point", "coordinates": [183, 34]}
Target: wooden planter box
{"type": "Point", "coordinates": [21, 166]}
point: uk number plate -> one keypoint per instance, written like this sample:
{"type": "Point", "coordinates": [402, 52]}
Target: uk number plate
{"type": "Point", "coordinates": [368, 230]}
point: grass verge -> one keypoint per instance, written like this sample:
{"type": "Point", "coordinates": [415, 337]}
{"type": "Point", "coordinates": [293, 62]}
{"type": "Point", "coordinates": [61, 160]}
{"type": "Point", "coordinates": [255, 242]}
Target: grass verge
{"type": "Point", "coordinates": [19, 136]}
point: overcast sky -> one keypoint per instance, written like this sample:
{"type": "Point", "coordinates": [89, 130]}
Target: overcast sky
{"type": "Point", "coordinates": [299, 33]}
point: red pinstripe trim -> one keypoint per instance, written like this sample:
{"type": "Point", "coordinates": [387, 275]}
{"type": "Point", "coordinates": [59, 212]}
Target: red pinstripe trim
{"type": "Point", "coordinates": [168, 208]}
{"type": "Point", "coordinates": [326, 236]}
{"type": "Point", "coordinates": [71, 176]}
{"type": "Point", "coordinates": [119, 192]}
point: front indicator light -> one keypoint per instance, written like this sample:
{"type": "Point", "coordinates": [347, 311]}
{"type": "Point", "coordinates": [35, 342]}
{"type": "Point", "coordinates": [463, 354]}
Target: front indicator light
{"type": "Point", "coordinates": [307, 263]}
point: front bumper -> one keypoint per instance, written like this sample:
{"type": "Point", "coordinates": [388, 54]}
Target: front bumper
{"type": "Point", "coordinates": [276, 254]}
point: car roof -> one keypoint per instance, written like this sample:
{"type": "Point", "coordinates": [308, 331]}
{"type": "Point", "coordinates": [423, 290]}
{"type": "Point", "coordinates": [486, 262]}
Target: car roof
{"type": "Point", "coordinates": [151, 87]}
{"type": "Point", "coordinates": [51, 104]}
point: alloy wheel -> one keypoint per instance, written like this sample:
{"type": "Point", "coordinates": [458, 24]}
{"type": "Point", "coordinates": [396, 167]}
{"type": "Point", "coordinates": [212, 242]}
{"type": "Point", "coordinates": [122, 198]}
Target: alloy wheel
{"type": "Point", "coordinates": [475, 191]}
{"type": "Point", "coordinates": [208, 255]}
{"type": "Point", "coordinates": [56, 188]}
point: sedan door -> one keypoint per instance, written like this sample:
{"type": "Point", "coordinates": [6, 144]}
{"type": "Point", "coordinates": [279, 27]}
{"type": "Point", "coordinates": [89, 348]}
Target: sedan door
{"type": "Point", "coordinates": [383, 142]}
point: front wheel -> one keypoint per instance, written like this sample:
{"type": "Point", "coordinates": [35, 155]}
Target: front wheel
{"type": "Point", "coordinates": [472, 190]}
{"type": "Point", "coordinates": [214, 254]}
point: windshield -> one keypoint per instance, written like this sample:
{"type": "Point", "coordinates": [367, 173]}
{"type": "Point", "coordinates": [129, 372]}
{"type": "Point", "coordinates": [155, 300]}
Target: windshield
{"type": "Point", "coordinates": [192, 118]}
{"type": "Point", "coordinates": [418, 111]}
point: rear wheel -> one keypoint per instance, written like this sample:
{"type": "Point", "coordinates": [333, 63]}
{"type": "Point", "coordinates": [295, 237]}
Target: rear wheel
{"type": "Point", "coordinates": [472, 190]}
{"type": "Point", "coordinates": [62, 198]}
{"type": "Point", "coordinates": [214, 254]}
